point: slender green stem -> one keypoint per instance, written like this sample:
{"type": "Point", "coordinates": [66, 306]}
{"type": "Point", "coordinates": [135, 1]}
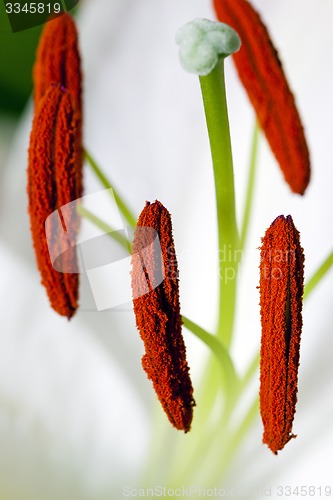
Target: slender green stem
{"type": "Point", "coordinates": [251, 371]}
{"type": "Point", "coordinates": [318, 276]}
{"type": "Point", "coordinates": [230, 375]}
{"type": "Point", "coordinates": [106, 228]}
{"type": "Point", "coordinates": [205, 431]}
{"type": "Point", "coordinates": [230, 444]}
{"type": "Point", "coordinates": [215, 104]}
{"type": "Point", "coordinates": [122, 205]}
{"type": "Point", "coordinates": [163, 442]}
{"type": "Point", "coordinates": [209, 389]}
{"type": "Point", "coordinates": [190, 455]}
{"type": "Point", "coordinates": [218, 445]}
{"type": "Point", "coordinates": [250, 186]}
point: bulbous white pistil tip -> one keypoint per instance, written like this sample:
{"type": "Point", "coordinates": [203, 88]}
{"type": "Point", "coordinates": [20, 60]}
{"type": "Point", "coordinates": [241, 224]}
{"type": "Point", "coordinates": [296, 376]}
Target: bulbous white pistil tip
{"type": "Point", "coordinates": [202, 42]}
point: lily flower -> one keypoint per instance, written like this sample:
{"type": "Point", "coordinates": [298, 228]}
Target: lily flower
{"type": "Point", "coordinates": [77, 412]}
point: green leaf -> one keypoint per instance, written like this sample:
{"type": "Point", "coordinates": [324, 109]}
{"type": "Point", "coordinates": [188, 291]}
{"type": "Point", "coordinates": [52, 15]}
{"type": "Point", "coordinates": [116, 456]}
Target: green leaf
{"type": "Point", "coordinates": [17, 53]}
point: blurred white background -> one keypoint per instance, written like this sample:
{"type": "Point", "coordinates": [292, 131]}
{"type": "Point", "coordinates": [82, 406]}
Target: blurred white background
{"type": "Point", "coordinates": [75, 405]}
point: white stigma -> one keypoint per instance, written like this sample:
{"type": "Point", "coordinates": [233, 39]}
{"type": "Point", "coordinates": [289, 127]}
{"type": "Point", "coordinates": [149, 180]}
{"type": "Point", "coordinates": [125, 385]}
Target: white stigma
{"type": "Point", "coordinates": [202, 42]}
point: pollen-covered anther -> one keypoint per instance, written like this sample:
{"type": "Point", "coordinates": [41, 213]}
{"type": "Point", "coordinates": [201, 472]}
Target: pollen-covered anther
{"type": "Point", "coordinates": [52, 174]}
{"type": "Point", "coordinates": [262, 75]}
{"type": "Point", "coordinates": [281, 291]}
{"type": "Point", "coordinates": [58, 63]}
{"type": "Point", "coordinates": [157, 311]}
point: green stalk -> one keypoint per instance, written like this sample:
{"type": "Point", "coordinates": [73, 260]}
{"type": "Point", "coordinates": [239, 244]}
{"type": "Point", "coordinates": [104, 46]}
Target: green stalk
{"type": "Point", "coordinates": [203, 433]}
{"type": "Point", "coordinates": [251, 371]}
{"type": "Point", "coordinates": [250, 186]}
{"type": "Point", "coordinates": [106, 228]}
{"type": "Point", "coordinates": [230, 444]}
{"type": "Point", "coordinates": [229, 372]}
{"type": "Point", "coordinates": [318, 276]}
{"type": "Point", "coordinates": [122, 205]}
{"type": "Point", "coordinates": [215, 104]}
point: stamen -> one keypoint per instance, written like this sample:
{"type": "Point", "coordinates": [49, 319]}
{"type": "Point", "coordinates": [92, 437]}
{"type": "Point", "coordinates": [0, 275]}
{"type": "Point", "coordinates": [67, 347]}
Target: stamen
{"type": "Point", "coordinates": [281, 292]}
{"type": "Point", "coordinates": [263, 78]}
{"type": "Point", "coordinates": [52, 172]}
{"type": "Point", "coordinates": [158, 316]}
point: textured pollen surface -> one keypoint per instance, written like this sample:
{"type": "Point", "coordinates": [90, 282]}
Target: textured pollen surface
{"type": "Point", "coordinates": [58, 59]}
{"type": "Point", "coordinates": [51, 184]}
{"type": "Point", "coordinates": [281, 291]}
{"type": "Point", "coordinates": [262, 75]}
{"type": "Point", "coordinates": [158, 315]}
{"type": "Point", "coordinates": [58, 62]}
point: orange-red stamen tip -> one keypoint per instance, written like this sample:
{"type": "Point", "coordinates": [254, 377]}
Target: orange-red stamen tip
{"type": "Point", "coordinates": [281, 291]}
{"type": "Point", "coordinates": [260, 70]}
{"type": "Point", "coordinates": [157, 310]}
